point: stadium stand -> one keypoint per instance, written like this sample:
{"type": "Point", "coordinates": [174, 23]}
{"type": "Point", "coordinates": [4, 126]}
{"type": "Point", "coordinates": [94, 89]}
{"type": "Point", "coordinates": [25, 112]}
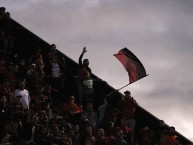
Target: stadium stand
{"type": "Point", "coordinates": [45, 122]}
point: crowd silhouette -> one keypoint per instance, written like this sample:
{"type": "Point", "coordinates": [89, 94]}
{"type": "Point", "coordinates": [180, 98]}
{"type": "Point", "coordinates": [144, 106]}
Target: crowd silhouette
{"type": "Point", "coordinates": [37, 107]}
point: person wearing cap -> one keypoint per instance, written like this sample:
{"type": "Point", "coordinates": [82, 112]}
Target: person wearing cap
{"type": "Point", "coordinates": [127, 107]}
{"type": "Point", "coordinates": [71, 108]}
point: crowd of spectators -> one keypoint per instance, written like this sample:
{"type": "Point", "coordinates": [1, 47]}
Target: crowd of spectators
{"type": "Point", "coordinates": [34, 109]}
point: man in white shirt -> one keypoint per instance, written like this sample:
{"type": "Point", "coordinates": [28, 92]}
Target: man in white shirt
{"type": "Point", "coordinates": [21, 91]}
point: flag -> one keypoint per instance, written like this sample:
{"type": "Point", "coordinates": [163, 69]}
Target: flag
{"type": "Point", "coordinates": [132, 65]}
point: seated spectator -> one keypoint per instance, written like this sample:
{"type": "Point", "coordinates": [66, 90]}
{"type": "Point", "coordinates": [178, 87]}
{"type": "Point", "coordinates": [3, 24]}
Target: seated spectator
{"type": "Point", "coordinates": [44, 137]}
{"type": "Point", "coordinates": [43, 118]}
{"type": "Point", "coordinates": [146, 136]}
{"type": "Point", "coordinates": [17, 106]}
{"type": "Point", "coordinates": [56, 135]}
{"type": "Point", "coordinates": [126, 132]}
{"type": "Point", "coordinates": [5, 139]}
{"type": "Point", "coordinates": [16, 138]}
{"type": "Point", "coordinates": [55, 119]}
{"type": "Point", "coordinates": [39, 101]}
{"type": "Point", "coordinates": [5, 90]}
{"type": "Point", "coordinates": [119, 140]}
{"type": "Point", "coordinates": [100, 137]}
{"type": "Point", "coordinates": [71, 109]}
{"type": "Point", "coordinates": [5, 112]}
{"type": "Point", "coordinates": [66, 140]}
{"type": "Point", "coordinates": [65, 125]}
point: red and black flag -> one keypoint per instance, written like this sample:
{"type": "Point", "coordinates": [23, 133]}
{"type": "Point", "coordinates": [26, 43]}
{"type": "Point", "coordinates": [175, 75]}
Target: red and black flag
{"type": "Point", "coordinates": [132, 64]}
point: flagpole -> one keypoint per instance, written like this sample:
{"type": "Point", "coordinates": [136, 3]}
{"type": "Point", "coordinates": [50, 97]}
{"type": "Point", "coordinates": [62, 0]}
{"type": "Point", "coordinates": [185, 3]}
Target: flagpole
{"type": "Point", "coordinates": [131, 83]}
{"type": "Point", "coordinates": [125, 86]}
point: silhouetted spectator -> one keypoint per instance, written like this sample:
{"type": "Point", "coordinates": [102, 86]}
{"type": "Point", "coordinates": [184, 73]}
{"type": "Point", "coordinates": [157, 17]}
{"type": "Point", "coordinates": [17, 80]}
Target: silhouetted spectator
{"type": "Point", "coordinates": [171, 137]}
{"type": "Point", "coordinates": [3, 70]}
{"type": "Point", "coordinates": [2, 12]}
{"type": "Point", "coordinates": [82, 70]}
{"type": "Point", "coordinates": [71, 109]}
{"type": "Point", "coordinates": [92, 117]}
{"type": "Point", "coordinates": [127, 108]}
{"type": "Point", "coordinates": [8, 40]}
{"type": "Point", "coordinates": [5, 112]}
{"type": "Point", "coordinates": [11, 76]}
{"type": "Point", "coordinates": [33, 79]}
{"type": "Point", "coordinates": [38, 100]}
{"type": "Point", "coordinates": [100, 137]}
{"type": "Point", "coordinates": [119, 140]}
{"type": "Point", "coordinates": [102, 113]}
{"type": "Point", "coordinates": [146, 136]}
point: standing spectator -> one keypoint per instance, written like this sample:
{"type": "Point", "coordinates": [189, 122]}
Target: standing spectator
{"type": "Point", "coordinates": [22, 70]}
{"type": "Point", "coordinates": [2, 12]}
{"type": "Point", "coordinates": [40, 70]}
{"type": "Point", "coordinates": [83, 69]}
{"type": "Point", "coordinates": [11, 76]}
{"type": "Point", "coordinates": [146, 136]}
{"type": "Point", "coordinates": [85, 62]}
{"type": "Point", "coordinates": [102, 112]}
{"type": "Point", "coordinates": [171, 138]}
{"type": "Point", "coordinates": [88, 89]}
{"type": "Point", "coordinates": [92, 116]}
{"type": "Point", "coordinates": [2, 33]}
{"type": "Point", "coordinates": [8, 28]}
{"type": "Point", "coordinates": [25, 99]}
{"type": "Point", "coordinates": [161, 132]}
{"type": "Point", "coordinates": [33, 78]}
{"type": "Point", "coordinates": [109, 133]}
{"type": "Point", "coordinates": [127, 107]}
{"type": "Point", "coordinates": [55, 74]}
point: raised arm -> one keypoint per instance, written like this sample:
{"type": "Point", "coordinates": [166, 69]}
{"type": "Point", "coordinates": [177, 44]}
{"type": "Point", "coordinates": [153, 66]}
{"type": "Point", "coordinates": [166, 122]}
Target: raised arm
{"type": "Point", "coordinates": [81, 56]}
